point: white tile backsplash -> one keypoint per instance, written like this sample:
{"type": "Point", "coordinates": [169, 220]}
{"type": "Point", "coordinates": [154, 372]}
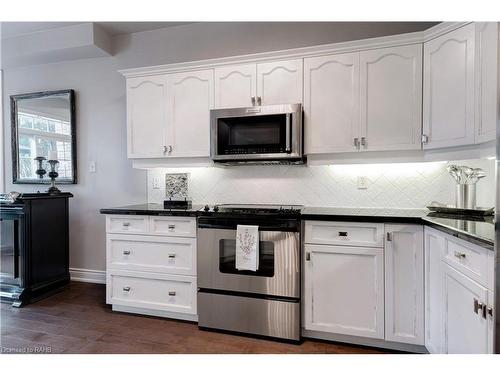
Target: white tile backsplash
{"type": "Point", "coordinates": [401, 185]}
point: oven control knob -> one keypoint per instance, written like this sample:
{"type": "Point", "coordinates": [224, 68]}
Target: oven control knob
{"type": "Point", "coordinates": [206, 208]}
{"type": "Point", "coordinates": [216, 208]}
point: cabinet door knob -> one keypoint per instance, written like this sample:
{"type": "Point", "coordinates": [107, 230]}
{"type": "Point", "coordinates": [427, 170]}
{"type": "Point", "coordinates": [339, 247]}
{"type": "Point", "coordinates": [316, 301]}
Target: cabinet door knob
{"type": "Point", "coordinates": [363, 141]}
{"type": "Point", "coordinates": [356, 143]}
{"type": "Point", "coordinates": [460, 255]}
{"type": "Point", "coordinates": [479, 308]}
{"type": "Point", "coordinates": [126, 252]}
{"type": "Point", "coordinates": [126, 289]}
{"type": "Point", "coordinates": [253, 100]}
{"type": "Point", "coordinates": [259, 100]}
{"type": "Point", "coordinates": [164, 150]}
{"type": "Point", "coordinates": [169, 149]}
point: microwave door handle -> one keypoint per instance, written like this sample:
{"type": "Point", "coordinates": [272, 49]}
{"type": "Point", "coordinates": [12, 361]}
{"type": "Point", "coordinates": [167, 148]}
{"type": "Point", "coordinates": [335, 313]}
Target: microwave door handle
{"type": "Point", "coordinates": [287, 132]}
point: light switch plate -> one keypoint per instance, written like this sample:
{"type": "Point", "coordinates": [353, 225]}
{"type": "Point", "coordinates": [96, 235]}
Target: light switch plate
{"type": "Point", "coordinates": [92, 166]}
{"type": "Point", "coordinates": [156, 182]}
{"type": "Point", "coordinates": [362, 182]}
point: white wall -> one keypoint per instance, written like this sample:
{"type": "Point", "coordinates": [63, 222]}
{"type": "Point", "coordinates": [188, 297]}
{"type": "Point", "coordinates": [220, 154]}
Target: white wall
{"type": "Point", "coordinates": [406, 185]}
{"type": "Point", "coordinates": [100, 102]}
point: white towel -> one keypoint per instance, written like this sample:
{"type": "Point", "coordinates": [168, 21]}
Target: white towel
{"type": "Point", "coordinates": [247, 247]}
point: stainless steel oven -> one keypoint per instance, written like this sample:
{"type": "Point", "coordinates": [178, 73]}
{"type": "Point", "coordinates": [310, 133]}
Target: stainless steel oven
{"type": "Point", "coordinates": [257, 134]}
{"type": "Point", "coordinates": [265, 302]}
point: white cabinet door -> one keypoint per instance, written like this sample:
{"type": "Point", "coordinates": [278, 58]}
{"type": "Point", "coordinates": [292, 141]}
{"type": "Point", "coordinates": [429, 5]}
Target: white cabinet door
{"type": "Point", "coordinates": [486, 80]}
{"type": "Point", "coordinates": [331, 103]}
{"type": "Point", "coordinates": [235, 86]}
{"type": "Point", "coordinates": [466, 331]}
{"type": "Point", "coordinates": [190, 98]}
{"type": "Point", "coordinates": [434, 246]}
{"type": "Point", "coordinates": [404, 284]}
{"type": "Point", "coordinates": [491, 321]}
{"type": "Point", "coordinates": [280, 82]}
{"type": "Point", "coordinates": [391, 98]}
{"type": "Point", "coordinates": [344, 290]}
{"type": "Point", "coordinates": [146, 116]}
{"type": "Point", "coordinates": [448, 108]}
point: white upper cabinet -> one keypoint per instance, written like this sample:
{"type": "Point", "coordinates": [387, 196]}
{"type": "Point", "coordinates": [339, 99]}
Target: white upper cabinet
{"type": "Point", "coordinates": [235, 86]}
{"type": "Point", "coordinates": [404, 284]}
{"type": "Point", "coordinates": [486, 80]}
{"type": "Point", "coordinates": [344, 290]}
{"type": "Point", "coordinates": [146, 116]}
{"type": "Point", "coordinates": [391, 98]}
{"type": "Point", "coordinates": [190, 96]}
{"type": "Point", "coordinates": [448, 107]}
{"type": "Point", "coordinates": [331, 103]}
{"type": "Point", "coordinates": [279, 82]}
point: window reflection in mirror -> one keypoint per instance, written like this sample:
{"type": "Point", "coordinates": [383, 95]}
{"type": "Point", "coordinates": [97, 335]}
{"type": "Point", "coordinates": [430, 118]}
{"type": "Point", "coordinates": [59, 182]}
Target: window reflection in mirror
{"type": "Point", "coordinates": [43, 125]}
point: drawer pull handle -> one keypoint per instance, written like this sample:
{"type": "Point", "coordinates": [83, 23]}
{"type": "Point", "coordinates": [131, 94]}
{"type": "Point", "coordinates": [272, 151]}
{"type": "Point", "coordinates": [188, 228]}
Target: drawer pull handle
{"type": "Point", "coordinates": [171, 255]}
{"type": "Point", "coordinates": [126, 224]}
{"type": "Point", "coordinates": [343, 234]}
{"type": "Point", "coordinates": [126, 289]}
{"type": "Point", "coordinates": [126, 252]}
{"type": "Point", "coordinates": [480, 307]}
{"type": "Point", "coordinates": [171, 293]}
{"type": "Point", "coordinates": [171, 226]}
{"type": "Point", "coordinates": [460, 255]}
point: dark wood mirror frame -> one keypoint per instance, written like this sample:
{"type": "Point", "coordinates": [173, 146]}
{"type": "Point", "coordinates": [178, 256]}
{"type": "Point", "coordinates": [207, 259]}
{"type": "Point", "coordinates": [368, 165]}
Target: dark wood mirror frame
{"type": "Point", "coordinates": [14, 136]}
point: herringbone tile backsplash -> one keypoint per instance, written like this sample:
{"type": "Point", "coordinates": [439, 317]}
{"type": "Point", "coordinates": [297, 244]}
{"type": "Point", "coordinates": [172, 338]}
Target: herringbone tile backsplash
{"type": "Point", "coordinates": [403, 185]}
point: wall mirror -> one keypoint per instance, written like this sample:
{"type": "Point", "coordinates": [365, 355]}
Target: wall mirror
{"type": "Point", "coordinates": [43, 124]}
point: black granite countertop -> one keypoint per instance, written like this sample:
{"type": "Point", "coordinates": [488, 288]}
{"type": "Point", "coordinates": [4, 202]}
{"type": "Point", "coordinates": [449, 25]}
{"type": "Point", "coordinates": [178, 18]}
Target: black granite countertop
{"type": "Point", "coordinates": [478, 230]}
{"type": "Point", "coordinates": [151, 209]}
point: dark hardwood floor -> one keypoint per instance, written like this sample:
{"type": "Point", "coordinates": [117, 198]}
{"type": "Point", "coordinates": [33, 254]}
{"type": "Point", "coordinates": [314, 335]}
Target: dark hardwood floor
{"type": "Point", "coordinates": [77, 320]}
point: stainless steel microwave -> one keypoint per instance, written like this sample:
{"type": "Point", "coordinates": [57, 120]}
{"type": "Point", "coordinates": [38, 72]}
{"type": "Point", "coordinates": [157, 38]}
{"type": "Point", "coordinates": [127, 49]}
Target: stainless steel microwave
{"type": "Point", "coordinates": [261, 134]}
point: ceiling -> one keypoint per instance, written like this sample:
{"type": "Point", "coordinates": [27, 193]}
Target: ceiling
{"type": "Point", "coordinates": [13, 29]}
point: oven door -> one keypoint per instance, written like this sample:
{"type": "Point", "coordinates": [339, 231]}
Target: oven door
{"type": "Point", "coordinates": [256, 133]}
{"type": "Point", "coordinates": [279, 263]}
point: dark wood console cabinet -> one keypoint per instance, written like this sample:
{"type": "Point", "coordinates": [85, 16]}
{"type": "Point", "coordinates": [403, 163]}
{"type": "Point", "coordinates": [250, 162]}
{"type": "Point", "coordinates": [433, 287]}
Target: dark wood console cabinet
{"type": "Point", "coordinates": [34, 246]}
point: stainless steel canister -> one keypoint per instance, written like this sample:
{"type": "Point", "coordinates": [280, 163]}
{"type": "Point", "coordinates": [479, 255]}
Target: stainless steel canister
{"type": "Point", "coordinates": [465, 196]}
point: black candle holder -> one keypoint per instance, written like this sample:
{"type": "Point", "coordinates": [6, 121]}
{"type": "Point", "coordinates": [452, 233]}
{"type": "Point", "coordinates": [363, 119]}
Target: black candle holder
{"type": "Point", "coordinates": [40, 171]}
{"type": "Point", "coordinates": [53, 175]}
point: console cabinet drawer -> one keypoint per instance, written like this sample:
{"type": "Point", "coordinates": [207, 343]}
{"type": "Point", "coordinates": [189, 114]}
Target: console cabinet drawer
{"type": "Point", "coordinates": [473, 261]}
{"type": "Point", "coordinates": [152, 291]}
{"type": "Point", "coordinates": [177, 226]}
{"type": "Point", "coordinates": [152, 254]}
{"type": "Point", "coordinates": [127, 224]}
{"type": "Point", "coordinates": [344, 233]}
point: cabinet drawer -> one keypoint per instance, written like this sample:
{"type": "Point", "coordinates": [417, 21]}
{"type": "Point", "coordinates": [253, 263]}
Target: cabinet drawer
{"type": "Point", "coordinates": [173, 226]}
{"type": "Point", "coordinates": [344, 233]}
{"type": "Point", "coordinates": [473, 261]}
{"type": "Point", "coordinates": [152, 254]}
{"type": "Point", "coordinates": [152, 291]}
{"type": "Point", "coordinates": [127, 224]}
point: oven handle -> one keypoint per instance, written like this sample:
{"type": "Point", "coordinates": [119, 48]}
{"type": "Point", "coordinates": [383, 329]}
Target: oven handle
{"type": "Point", "coordinates": [262, 228]}
{"type": "Point", "coordinates": [287, 132]}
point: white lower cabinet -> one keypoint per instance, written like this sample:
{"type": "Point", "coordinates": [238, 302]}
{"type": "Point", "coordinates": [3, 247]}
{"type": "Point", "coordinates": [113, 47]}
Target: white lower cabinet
{"type": "Point", "coordinates": [344, 290]}
{"type": "Point", "coordinates": [458, 315]}
{"type": "Point", "coordinates": [152, 269]}
{"type": "Point", "coordinates": [404, 284]}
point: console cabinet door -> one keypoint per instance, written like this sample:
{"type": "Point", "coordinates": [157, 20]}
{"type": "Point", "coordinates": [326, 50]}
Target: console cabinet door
{"type": "Point", "coordinates": [235, 86]}
{"type": "Point", "coordinates": [331, 103]}
{"type": "Point", "coordinates": [434, 245]}
{"type": "Point", "coordinates": [344, 290]}
{"type": "Point", "coordinates": [448, 107]}
{"type": "Point", "coordinates": [391, 98]}
{"type": "Point", "coordinates": [404, 284]}
{"type": "Point", "coordinates": [466, 332]}
{"type": "Point", "coordinates": [280, 82]}
{"type": "Point", "coordinates": [146, 116]}
{"type": "Point", "coordinates": [190, 98]}
{"type": "Point", "coordinates": [486, 80]}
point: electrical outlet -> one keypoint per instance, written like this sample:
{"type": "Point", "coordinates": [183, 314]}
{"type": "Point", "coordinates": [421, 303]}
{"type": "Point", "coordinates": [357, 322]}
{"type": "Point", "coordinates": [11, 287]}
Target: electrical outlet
{"type": "Point", "coordinates": [156, 182]}
{"type": "Point", "coordinates": [92, 166]}
{"type": "Point", "coordinates": [362, 182]}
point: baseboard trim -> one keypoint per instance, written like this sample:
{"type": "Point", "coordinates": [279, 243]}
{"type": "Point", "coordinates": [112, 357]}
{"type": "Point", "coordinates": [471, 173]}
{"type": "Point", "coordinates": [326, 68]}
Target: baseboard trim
{"type": "Point", "coordinates": [88, 276]}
